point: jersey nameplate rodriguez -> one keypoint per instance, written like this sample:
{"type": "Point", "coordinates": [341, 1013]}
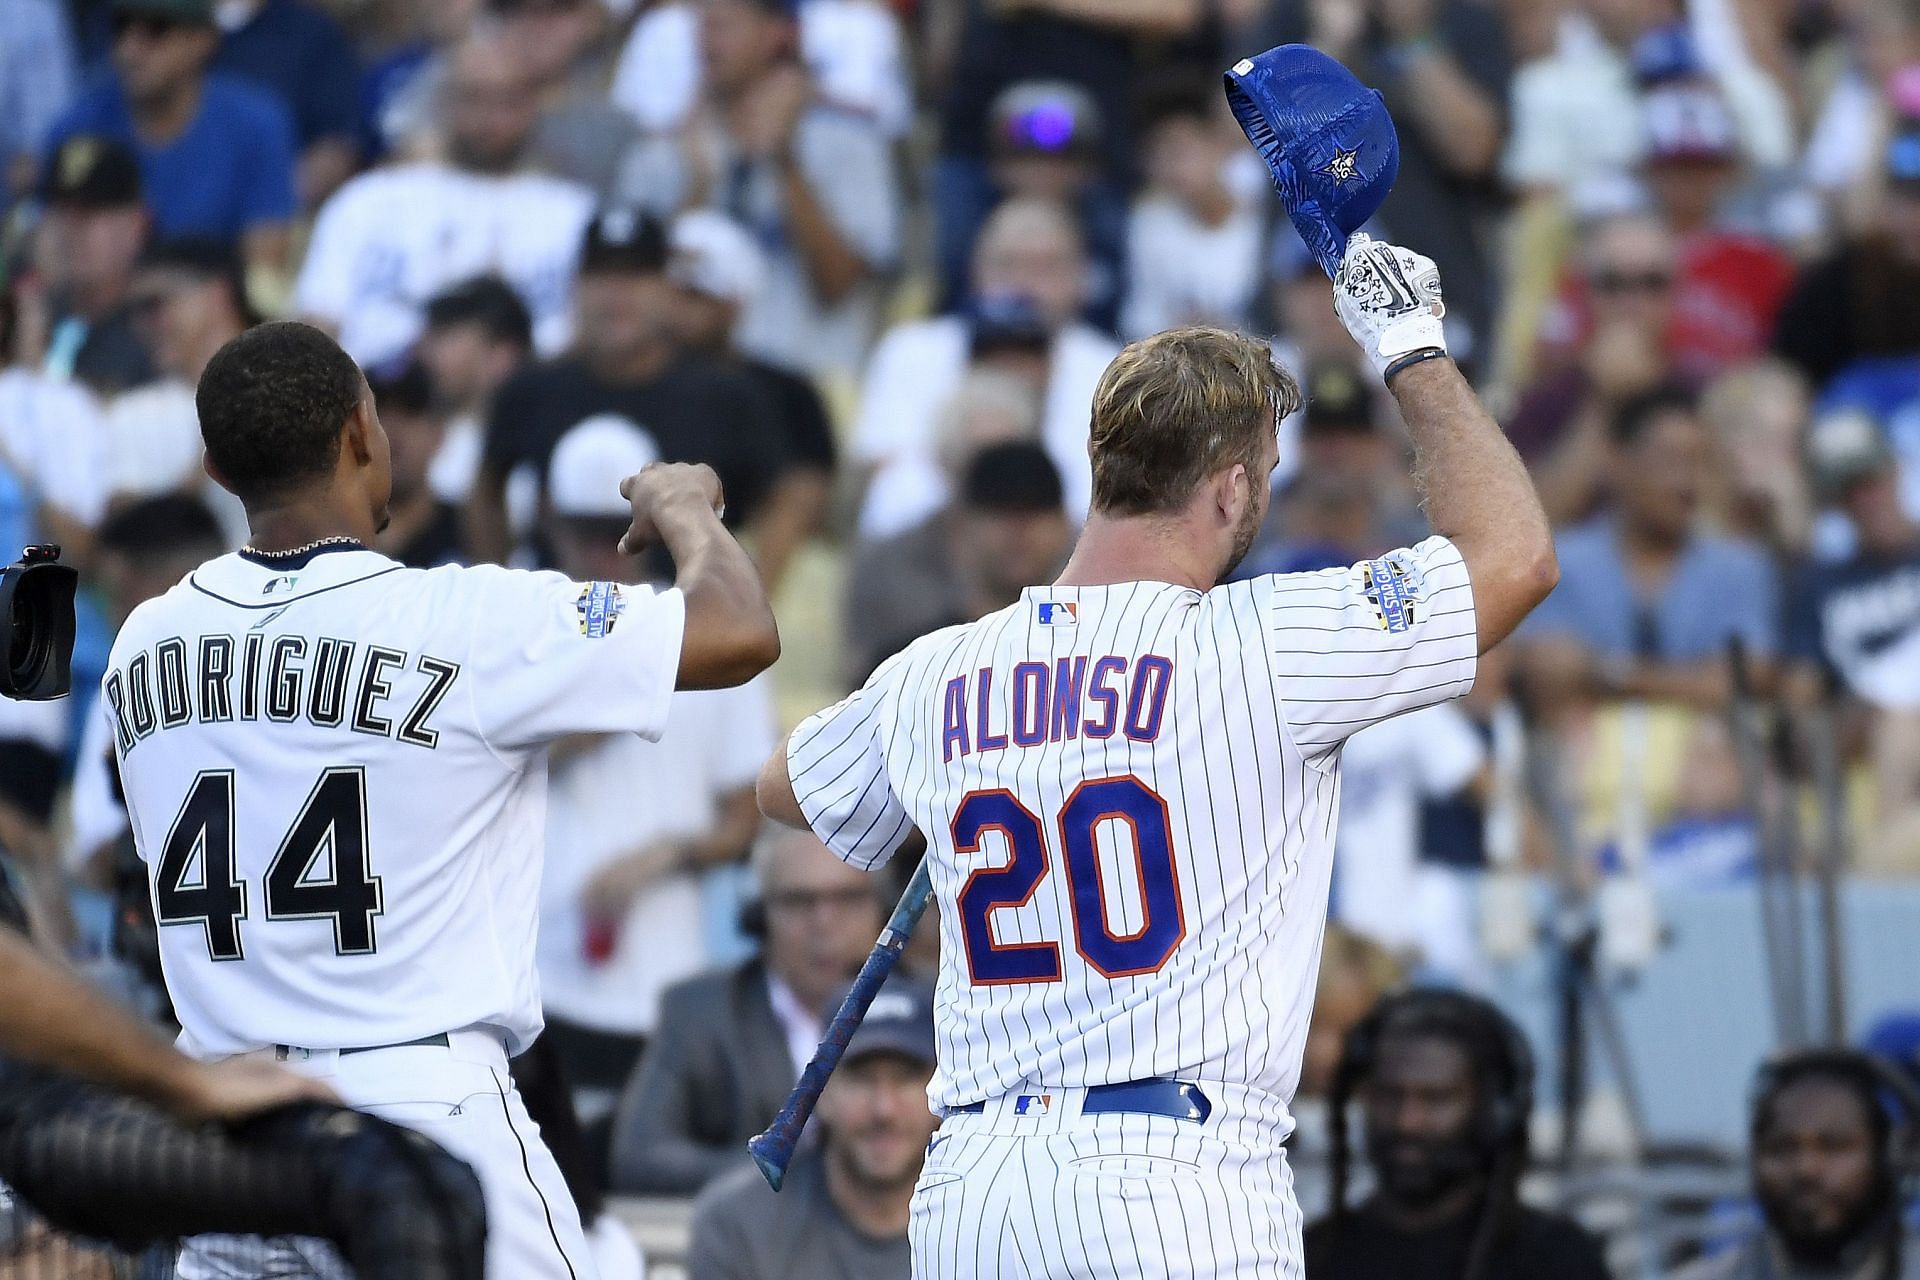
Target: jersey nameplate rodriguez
{"type": "Point", "coordinates": [327, 682]}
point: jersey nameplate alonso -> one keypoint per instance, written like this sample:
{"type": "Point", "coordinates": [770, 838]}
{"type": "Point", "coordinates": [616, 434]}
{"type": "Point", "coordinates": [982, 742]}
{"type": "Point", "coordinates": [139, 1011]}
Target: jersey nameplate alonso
{"type": "Point", "coordinates": [1129, 795]}
{"type": "Point", "coordinates": [336, 774]}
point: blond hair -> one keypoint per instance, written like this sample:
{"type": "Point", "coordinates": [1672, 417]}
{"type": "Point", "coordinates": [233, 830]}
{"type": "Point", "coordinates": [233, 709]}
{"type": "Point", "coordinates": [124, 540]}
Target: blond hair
{"type": "Point", "coordinates": [1178, 407]}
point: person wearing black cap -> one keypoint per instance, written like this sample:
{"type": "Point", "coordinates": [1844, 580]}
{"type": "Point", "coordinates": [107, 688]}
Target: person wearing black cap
{"type": "Point", "coordinates": [94, 225]}
{"type": "Point", "coordinates": [1863, 299]}
{"type": "Point", "coordinates": [1006, 531]}
{"type": "Point", "coordinates": [216, 155]}
{"type": "Point", "coordinates": [626, 362]}
{"type": "Point", "coordinates": [844, 1209]}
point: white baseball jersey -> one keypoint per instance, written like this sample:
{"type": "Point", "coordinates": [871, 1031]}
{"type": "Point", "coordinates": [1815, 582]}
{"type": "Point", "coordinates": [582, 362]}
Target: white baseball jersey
{"type": "Point", "coordinates": [390, 239]}
{"type": "Point", "coordinates": [335, 769]}
{"type": "Point", "coordinates": [1129, 793]}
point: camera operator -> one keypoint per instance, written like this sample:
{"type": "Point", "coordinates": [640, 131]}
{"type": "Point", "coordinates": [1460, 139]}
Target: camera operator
{"type": "Point", "coordinates": [1445, 1086]}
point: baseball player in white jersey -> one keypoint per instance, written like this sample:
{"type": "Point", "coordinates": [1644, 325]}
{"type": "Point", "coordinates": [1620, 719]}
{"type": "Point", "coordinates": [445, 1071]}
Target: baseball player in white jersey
{"type": "Point", "coordinates": [1128, 782]}
{"type": "Point", "coordinates": [335, 769]}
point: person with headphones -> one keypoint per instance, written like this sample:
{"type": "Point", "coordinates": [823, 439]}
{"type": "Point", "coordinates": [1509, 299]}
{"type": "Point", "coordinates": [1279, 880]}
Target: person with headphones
{"type": "Point", "coordinates": [1833, 1142]}
{"type": "Point", "coordinates": [1444, 1083]}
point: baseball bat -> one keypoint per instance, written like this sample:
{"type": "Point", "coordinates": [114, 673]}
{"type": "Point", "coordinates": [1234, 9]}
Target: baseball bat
{"type": "Point", "coordinates": [773, 1149]}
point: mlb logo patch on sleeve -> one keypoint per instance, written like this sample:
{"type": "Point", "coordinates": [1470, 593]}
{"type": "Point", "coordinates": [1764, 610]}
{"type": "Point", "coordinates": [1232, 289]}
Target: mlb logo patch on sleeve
{"type": "Point", "coordinates": [1393, 589]}
{"type": "Point", "coordinates": [1060, 614]}
{"type": "Point", "coordinates": [599, 607]}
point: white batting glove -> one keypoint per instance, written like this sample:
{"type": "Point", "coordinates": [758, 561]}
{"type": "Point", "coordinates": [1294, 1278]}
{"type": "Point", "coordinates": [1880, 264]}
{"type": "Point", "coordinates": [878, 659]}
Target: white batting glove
{"type": "Point", "coordinates": [1389, 299]}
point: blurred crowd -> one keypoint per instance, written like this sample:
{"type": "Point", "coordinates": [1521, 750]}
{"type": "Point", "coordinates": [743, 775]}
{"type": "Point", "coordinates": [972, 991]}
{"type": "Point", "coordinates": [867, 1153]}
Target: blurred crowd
{"type": "Point", "coordinates": [867, 258]}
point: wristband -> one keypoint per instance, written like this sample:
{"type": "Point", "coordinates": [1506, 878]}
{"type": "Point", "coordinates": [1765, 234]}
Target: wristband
{"type": "Point", "coordinates": [1412, 358]}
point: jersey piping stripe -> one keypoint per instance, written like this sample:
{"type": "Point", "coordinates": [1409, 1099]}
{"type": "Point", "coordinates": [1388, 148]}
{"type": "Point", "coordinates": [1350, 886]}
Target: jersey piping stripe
{"type": "Point", "coordinates": [287, 600]}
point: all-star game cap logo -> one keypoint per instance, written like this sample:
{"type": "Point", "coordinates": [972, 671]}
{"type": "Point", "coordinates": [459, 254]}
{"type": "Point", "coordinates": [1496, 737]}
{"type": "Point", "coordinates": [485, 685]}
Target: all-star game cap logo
{"type": "Point", "coordinates": [1344, 167]}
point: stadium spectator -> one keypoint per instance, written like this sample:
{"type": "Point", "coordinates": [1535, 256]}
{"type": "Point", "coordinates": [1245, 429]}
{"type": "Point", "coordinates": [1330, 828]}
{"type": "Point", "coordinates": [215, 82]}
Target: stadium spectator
{"type": "Point", "coordinates": [570, 47]}
{"type": "Point", "coordinates": [1030, 274]}
{"type": "Point", "coordinates": [216, 153]}
{"type": "Point", "coordinates": [392, 238]}
{"type": "Point", "coordinates": [1044, 144]}
{"type": "Point", "coordinates": [718, 268]}
{"type": "Point", "coordinates": [37, 70]}
{"type": "Point", "coordinates": [626, 362]}
{"type": "Point", "coordinates": [1445, 1087]}
{"type": "Point", "coordinates": [1348, 495]}
{"type": "Point", "coordinates": [1444, 68]}
{"type": "Point", "coordinates": [1647, 601]}
{"type": "Point", "coordinates": [1193, 245]}
{"type": "Point", "coordinates": [632, 825]}
{"type": "Point", "coordinates": [1827, 1170]}
{"type": "Point", "coordinates": [145, 548]}
{"type": "Point", "coordinates": [1758, 414]}
{"type": "Point", "coordinates": [1858, 621]}
{"type": "Point", "coordinates": [92, 231]}
{"type": "Point", "coordinates": [423, 529]}
{"type": "Point", "coordinates": [1005, 531]}
{"type": "Point", "coordinates": [53, 462]}
{"type": "Point", "coordinates": [977, 50]}
{"type": "Point", "coordinates": [852, 48]}
{"type": "Point", "coordinates": [1384, 887]}
{"type": "Point", "coordinates": [478, 334]}
{"type": "Point", "coordinates": [729, 1045]}
{"type": "Point", "coordinates": [1618, 349]}
{"type": "Point", "coordinates": [813, 182]}
{"type": "Point", "coordinates": [190, 300]}
{"type": "Point", "coordinates": [297, 52]}
{"type": "Point", "coordinates": [1730, 281]}
{"type": "Point", "coordinates": [1576, 116]}
{"type": "Point", "coordinates": [1863, 300]}
{"type": "Point", "coordinates": [843, 1209]}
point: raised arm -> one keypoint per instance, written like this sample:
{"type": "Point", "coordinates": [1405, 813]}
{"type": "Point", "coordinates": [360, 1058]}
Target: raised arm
{"type": "Point", "coordinates": [730, 632]}
{"type": "Point", "coordinates": [1476, 489]}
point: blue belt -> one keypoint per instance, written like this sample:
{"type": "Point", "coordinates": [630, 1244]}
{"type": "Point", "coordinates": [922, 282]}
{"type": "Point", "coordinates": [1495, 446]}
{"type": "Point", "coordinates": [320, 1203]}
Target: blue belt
{"type": "Point", "coordinates": [1175, 1098]}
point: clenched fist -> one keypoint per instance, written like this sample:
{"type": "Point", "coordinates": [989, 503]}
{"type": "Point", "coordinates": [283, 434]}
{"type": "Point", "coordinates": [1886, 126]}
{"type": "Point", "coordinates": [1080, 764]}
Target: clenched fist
{"type": "Point", "coordinates": [659, 487]}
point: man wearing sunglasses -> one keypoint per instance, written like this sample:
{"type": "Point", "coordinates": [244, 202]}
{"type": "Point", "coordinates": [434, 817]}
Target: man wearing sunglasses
{"type": "Point", "coordinates": [216, 155]}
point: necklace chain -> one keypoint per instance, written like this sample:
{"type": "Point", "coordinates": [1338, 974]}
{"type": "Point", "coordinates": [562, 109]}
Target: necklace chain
{"type": "Point", "coordinates": [337, 540]}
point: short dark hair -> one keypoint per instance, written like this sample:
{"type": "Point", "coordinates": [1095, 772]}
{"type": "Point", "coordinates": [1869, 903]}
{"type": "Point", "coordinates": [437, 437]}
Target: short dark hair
{"type": "Point", "coordinates": [1175, 408]}
{"type": "Point", "coordinates": [487, 302]}
{"type": "Point", "coordinates": [1014, 477]}
{"type": "Point", "coordinates": [159, 526]}
{"type": "Point", "coordinates": [1638, 412]}
{"type": "Point", "coordinates": [272, 403]}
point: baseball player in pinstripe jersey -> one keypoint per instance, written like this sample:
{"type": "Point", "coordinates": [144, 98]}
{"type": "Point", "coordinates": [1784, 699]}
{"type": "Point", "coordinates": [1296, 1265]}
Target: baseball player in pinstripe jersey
{"type": "Point", "coordinates": [1127, 783]}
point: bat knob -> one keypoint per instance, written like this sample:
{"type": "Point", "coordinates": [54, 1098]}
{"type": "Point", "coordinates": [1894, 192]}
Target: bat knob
{"type": "Point", "coordinates": [772, 1169]}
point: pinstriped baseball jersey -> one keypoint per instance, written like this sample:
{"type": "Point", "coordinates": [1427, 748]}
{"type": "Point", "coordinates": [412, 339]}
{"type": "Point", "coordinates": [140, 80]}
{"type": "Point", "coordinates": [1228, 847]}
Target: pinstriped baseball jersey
{"type": "Point", "coordinates": [1129, 793]}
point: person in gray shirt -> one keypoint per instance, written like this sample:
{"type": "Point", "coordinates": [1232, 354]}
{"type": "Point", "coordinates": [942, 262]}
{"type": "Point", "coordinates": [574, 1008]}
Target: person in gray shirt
{"type": "Point", "coordinates": [843, 1212]}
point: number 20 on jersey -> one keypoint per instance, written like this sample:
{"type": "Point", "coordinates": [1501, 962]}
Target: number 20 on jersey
{"type": "Point", "coordinates": [1139, 811]}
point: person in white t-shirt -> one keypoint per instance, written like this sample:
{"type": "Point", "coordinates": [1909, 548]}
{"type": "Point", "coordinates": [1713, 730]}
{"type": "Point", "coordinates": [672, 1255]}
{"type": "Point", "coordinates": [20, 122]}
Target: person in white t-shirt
{"type": "Point", "coordinates": [1193, 248]}
{"type": "Point", "coordinates": [852, 48]}
{"type": "Point", "coordinates": [1381, 890]}
{"type": "Point", "coordinates": [631, 824]}
{"type": "Point", "coordinates": [393, 238]}
{"type": "Point", "coordinates": [1029, 258]}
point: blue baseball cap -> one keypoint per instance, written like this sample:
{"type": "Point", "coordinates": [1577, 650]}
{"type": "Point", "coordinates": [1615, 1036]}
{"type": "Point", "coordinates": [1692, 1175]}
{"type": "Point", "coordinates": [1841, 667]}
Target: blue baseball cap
{"type": "Point", "coordinates": [1327, 139]}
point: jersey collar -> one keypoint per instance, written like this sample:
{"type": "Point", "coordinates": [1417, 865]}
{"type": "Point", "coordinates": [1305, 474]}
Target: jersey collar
{"type": "Point", "coordinates": [299, 557]}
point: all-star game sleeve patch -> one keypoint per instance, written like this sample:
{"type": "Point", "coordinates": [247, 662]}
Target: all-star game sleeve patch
{"type": "Point", "coordinates": [1393, 591]}
{"type": "Point", "coordinates": [599, 607]}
